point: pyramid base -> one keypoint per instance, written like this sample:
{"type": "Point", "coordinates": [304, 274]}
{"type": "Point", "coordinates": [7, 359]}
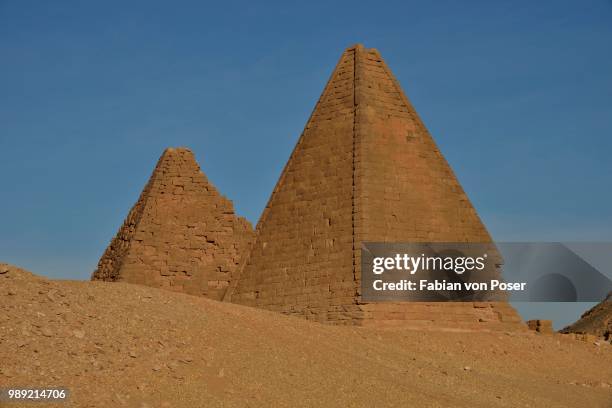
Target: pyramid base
{"type": "Point", "coordinates": [447, 316]}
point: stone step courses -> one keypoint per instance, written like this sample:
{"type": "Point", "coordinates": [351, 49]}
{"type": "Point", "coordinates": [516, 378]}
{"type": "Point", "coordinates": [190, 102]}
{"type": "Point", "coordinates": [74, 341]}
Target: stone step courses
{"type": "Point", "coordinates": [181, 235]}
{"type": "Point", "coordinates": [364, 169]}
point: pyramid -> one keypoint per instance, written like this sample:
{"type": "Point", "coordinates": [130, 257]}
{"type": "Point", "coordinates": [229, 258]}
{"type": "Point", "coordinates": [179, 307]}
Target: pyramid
{"type": "Point", "coordinates": [596, 321]}
{"type": "Point", "coordinates": [181, 235]}
{"type": "Point", "coordinates": [365, 169]}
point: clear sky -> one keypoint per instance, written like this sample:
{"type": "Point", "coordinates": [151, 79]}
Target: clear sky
{"type": "Point", "coordinates": [518, 96]}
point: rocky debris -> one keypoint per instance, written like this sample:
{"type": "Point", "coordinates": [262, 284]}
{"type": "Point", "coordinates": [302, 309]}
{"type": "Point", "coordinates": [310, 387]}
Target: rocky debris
{"type": "Point", "coordinates": [79, 334]}
{"type": "Point", "coordinates": [47, 332]}
{"type": "Point", "coordinates": [540, 326]}
{"type": "Point", "coordinates": [588, 338]}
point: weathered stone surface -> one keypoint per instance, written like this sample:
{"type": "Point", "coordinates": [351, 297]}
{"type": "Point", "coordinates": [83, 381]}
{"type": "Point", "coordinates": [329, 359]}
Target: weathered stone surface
{"type": "Point", "coordinates": [364, 169]}
{"type": "Point", "coordinates": [596, 321]}
{"type": "Point", "coordinates": [540, 326]}
{"type": "Point", "coordinates": [181, 235]}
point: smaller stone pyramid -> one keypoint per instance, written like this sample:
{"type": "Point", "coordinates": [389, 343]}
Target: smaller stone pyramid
{"type": "Point", "coordinates": [596, 321]}
{"type": "Point", "coordinates": [181, 235]}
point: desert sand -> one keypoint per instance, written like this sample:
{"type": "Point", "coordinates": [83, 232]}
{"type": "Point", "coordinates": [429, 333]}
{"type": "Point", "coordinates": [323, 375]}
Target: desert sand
{"type": "Point", "coordinates": [117, 344]}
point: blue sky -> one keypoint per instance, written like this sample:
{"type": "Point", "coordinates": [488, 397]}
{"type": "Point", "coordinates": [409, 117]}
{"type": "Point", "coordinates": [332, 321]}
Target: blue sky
{"type": "Point", "coordinates": [517, 95]}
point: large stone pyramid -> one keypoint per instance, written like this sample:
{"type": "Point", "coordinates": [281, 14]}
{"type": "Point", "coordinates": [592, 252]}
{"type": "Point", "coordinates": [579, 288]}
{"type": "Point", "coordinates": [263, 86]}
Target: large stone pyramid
{"type": "Point", "coordinates": [364, 169]}
{"type": "Point", "coordinates": [181, 235]}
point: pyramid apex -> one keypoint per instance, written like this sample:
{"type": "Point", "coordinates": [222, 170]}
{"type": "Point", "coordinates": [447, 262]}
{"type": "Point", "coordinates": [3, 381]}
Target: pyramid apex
{"type": "Point", "coordinates": [177, 149]}
{"type": "Point", "coordinates": [355, 47]}
{"type": "Point", "coordinates": [363, 49]}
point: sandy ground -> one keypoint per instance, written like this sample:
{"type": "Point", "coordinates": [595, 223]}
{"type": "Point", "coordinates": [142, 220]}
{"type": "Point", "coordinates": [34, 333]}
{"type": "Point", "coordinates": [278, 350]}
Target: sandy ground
{"type": "Point", "coordinates": [116, 345]}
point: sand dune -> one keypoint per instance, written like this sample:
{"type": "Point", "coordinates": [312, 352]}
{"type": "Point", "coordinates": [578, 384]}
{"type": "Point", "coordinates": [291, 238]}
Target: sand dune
{"type": "Point", "coordinates": [115, 344]}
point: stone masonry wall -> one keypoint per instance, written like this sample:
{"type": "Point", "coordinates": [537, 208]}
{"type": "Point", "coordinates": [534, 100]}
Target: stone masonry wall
{"type": "Point", "coordinates": [365, 169]}
{"type": "Point", "coordinates": [181, 235]}
{"type": "Point", "coordinates": [301, 262]}
{"type": "Point", "coordinates": [407, 192]}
